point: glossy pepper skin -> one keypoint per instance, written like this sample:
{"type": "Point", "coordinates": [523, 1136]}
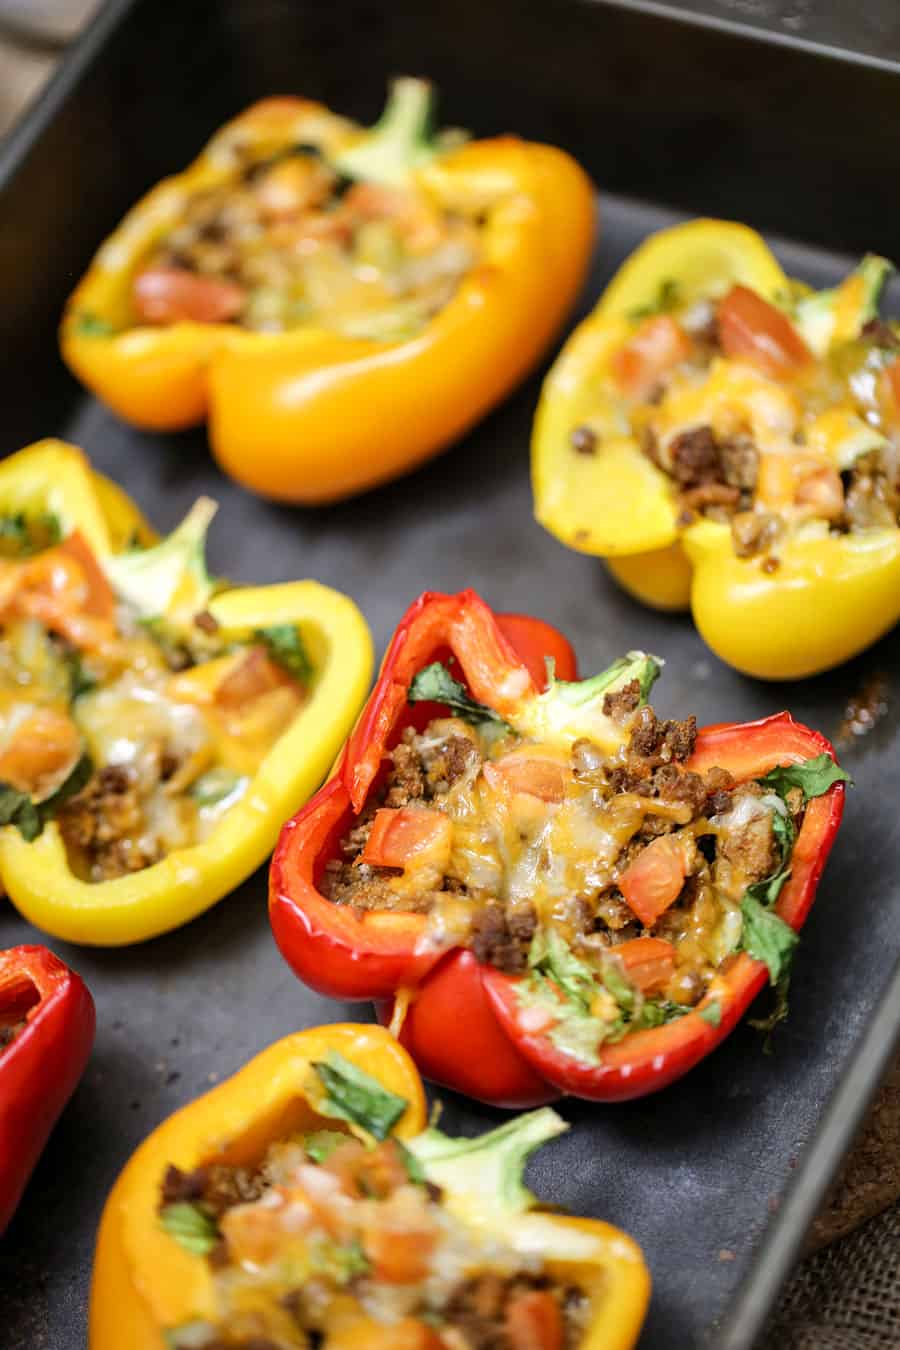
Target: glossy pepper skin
{"type": "Point", "coordinates": [829, 598]}
{"type": "Point", "coordinates": [40, 1068]}
{"type": "Point", "coordinates": [143, 1282]}
{"type": "Point", "coordinates": [312, 416]}
{"type": "Point", "coordinates": [131, 908]}
{"type": "Point", "coordinates": [453, 1001]}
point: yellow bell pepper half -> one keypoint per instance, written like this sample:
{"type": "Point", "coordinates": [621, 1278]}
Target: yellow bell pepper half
{"type": "Point", "coordinates": [36, 875]}
{"type": "Point", "coordinates": [145, 1283]}
{"type": "Point", "coordinates": [829, 597]}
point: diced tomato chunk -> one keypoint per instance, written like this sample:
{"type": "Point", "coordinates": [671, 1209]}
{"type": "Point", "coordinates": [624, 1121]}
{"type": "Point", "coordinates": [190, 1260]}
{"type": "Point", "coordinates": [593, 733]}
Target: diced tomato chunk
{"type": "Point", "coordinates": [534, 1322]}
{"type": "Point", "coordinates": [658, 346]}
{"type": "Point", "coordinates": [167, 294]}
{"type": "Point", "coordinates": [542, 778]}
{"type": "Point", "coordinates": [750, 329]}
{"type": "Point", "coordinates": [254, 674]}
{"type": "Point", "coordinates": [654, 880]}
{"type": "Point", "coordinates": [98, 597]}
{"type": "Point", "coordinates": [399, 1255]}
{"type": "Point", "coordinates": [890, 389]}
{"type": "Point", "coordinates": [649, 962]}
{"type": "Point", "coordinates": [410, 832]}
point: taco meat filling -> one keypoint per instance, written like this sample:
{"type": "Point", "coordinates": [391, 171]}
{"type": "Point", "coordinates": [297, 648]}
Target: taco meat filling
{"type": "Point", "coordinates": [329, 1242]}
{"type": "Point", "coordinates": [514, 847]}
{"type": "Point", "coordinates": [136, 737]}
{"type": "Point", "coordinates": [753, 427]}
{"type": "Point", "coordinates": [289, 242]}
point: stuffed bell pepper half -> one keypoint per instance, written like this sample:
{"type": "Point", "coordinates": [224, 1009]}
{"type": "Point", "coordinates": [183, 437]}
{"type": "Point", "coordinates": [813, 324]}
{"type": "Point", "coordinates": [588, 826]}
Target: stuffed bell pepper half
{"type": "Point", "coordinates": [589, 894]}
{"type": "Point", "coordinates": [339, 303]}
{"type": "Point", "coordinates": [46, 1034]}
{"type": "Point", "coordinates": [307, 1203]}
{"type": "Point", "coordinates": [729, 439]}
{"type": "Point", "coordinates": [156, 725]}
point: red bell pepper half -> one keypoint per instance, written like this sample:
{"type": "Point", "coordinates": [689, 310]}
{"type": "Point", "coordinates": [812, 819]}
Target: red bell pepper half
{"type": "Point", "coordinates": [465, 1025]}
{"type": "Point", "coordinates": [46, 1033]}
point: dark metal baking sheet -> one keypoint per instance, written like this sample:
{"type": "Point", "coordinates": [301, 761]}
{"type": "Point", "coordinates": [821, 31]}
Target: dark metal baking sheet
{"type": "Point", "coordinates": [698, 1174]}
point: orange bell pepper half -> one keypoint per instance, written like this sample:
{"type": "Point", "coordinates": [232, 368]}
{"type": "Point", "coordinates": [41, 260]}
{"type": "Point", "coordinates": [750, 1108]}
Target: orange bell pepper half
{"type": "Point", "coordinates": [291, 413]}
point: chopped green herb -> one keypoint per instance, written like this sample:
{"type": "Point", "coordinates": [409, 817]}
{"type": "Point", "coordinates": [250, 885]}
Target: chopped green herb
{"type": "Point", "coordinates": [321, 1143]}
{"type": "Point", "coordinates": [192, 1227]}
{"type": "Point", "coordinates": [712, 1013]}
{"type": "Point", "coordinates": [813, 777]}
{"type": "Point", "coordinates": [22, 535]}
{"type": "Point", "coordinates": [435, 684]}
{"type": "Point", "coordinates": [91, 325]}
{"type": "Point", "coordinates": [656, 1013]}
{"type": "Point", "coordinates": [766, 937]}
{"type": "Point", "coordinates": [351, 1094]}
{"type": "Point", "coordinates": [342, 1261]}
{"type": "Point", "coordinates": [668, 297]}
{"type": "Point", "coordinates": [285, 646]}
{"type": "Point", "coordinates": [81, 681]}
{"type": "Point", "coordinates": [30, 817]}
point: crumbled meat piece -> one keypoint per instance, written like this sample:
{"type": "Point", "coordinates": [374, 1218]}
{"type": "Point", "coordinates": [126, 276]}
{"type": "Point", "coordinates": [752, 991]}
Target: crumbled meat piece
{"type": "Point", "coordinates": [579, 912]}
{"type": "Point", "coordinates": [229, 1186]}
{"type": "Point", "coordinates": [662, 741]}
{"type": "Point", "coordinates": [880, 333]}
{"type": "Point", "coordinates": [718, 784]}
{"type": "Point", "coordinates": [478, 1308]}
{"type": "Point", "coordinates": [740, 462]}
{"type": "Point", "coordinates": [612, 910]}
{"type": "Point", "coordinates": [501, 938]}
{"type": "Point", "coordinates": [362, 888]}
{"type": "Point", "coordinates": [178, 1186]}
{"type": "Point", "coordinates": [619, 704]}
{"type": "Point", "coordinates": [695, 457]}
{"type": "Point", "coordinates": [754, 532]}
{"type": "Point", "coordinates": [406, 782]}
{"type": "Point", "coordinates": [679, 785]}
{"type": "Point", "coordinates": [103, 823]}
{"type": "Point", "coordinates": [354, 841]}
{"type": "Point", "coordinates": [455, 756]}
{"type": "Point", "coordinates": [583, 441]}
{"type": "Point", "coordinates": [630, 778]}
{"type": "Point", "coordinates": [746, 843]}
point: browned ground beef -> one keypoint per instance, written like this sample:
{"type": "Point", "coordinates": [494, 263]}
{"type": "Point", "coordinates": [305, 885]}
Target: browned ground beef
{"type": "Point", "coordinates": [621, 703]}
{"type": "Point", "coordinates": [652, 767]}
{"type": "Point", "coordinates": [479, 1307]}
{"type": "Point", "coordinates": [660, 742]}
{"type": "Point", "coordinates": [752, 845]}
{"type": "Point", "coordinates": [218, 1187]}
{"type": "Point", "coordinates": [501, 936]}
{"type": "Point", "coordinates": [102, 823]}
{"type": "Point", "coordinates": [695, 458]}
{"type": "Point", "coordinates": [716, 477]}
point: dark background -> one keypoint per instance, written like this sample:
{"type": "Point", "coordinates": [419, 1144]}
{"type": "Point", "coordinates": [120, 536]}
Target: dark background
{"type": "Point", "coordinates": [699, 119]}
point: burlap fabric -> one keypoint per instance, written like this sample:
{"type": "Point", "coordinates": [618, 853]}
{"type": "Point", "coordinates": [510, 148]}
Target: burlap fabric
{"type": "Point", "coordinates": [846, 1296]}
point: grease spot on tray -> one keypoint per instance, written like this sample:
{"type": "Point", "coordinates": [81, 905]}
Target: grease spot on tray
{"type": "Point", "coordinates": [865, 708]}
